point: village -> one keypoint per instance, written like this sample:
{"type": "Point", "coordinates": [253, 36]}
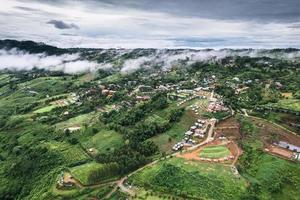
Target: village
{"type": "Point", "coordinates": [207, 129]}
{"type": "Point", "coordinates": [207, 140]}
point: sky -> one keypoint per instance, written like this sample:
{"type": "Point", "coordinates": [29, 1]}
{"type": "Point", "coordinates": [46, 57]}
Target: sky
{"type": "Point", "coordinates": [153, 23]}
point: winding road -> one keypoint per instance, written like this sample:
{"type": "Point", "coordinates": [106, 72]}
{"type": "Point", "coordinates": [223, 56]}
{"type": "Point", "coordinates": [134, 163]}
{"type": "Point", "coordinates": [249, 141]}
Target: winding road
{"type": "Point", "coordinates": [123, 188]}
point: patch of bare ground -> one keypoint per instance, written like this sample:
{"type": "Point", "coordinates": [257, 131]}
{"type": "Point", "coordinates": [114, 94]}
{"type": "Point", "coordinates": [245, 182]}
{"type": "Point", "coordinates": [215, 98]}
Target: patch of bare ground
{"type": "Point", "coordinates": [235, 152]}
{"type": "Point", "coordinates": [278, 151]}
{"type": "Point", "coordinates": [269, 130]}
{"type": "Point", "coordinates": [229, 128]}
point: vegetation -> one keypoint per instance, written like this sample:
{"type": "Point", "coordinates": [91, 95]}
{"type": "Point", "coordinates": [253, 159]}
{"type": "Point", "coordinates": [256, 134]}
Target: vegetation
{"type": "Point", "coordinates": [104, 130]}
{"type": "Point", "coordinates": [214, 152]}
{"type": "Point", "coordinates": [92, 173]}
{"type": "Point", "coordinates": [191, 180]}
{"type": "Point", "coordinates": [270, 177]}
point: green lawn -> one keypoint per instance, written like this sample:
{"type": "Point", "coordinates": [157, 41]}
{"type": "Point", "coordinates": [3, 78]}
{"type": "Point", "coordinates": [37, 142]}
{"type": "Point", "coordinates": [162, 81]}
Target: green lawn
{"type": "Point", "coordinates": [189, 179]}
{"type": "Point", "coordinates": [290, 104]}
{"type": "Point", "coordinates": [79, 120]}
{"type": "Point", "coordinates": [82, 172]}
{"type": "Point", "coordinates": [166, 140]}
{"type": "Point", "coordinates": [175, 133]}
{"type": "Point", "coordinates": [45, 109]}
{"type": "Point", "coordinates": [93, 173]}
{"type": "Point", "coordinates": [215, 152]}
{"type": "Point", "coordinates": [104, 140]}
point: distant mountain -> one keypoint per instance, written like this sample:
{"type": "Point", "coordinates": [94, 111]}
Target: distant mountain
{"type": "Point", "coordinates": [32, 47]}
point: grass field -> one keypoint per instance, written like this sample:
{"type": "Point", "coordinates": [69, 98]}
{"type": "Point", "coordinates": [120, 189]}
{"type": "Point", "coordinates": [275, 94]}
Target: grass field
{"type": "Point", "coordinates": [189, 179]}
{"type": "Point", "coordinates": [81, 194]}
{"type": "Point", "coordinates": [290, 104]}
{"type": "Point", "coordinates": [214, 152]}
{"type": "Point", "coordinates": [86, 174]}
{"type": "Point", "coordinates": [78, 120]}
{"type": "Point", "coordinates": [103, 141]}
{"type": "Point", "coordinates": [45, 109]}
{"type": "Point", "coordinates": [166, 140]}
{"type": "Point", "coordinates": [82, 172]}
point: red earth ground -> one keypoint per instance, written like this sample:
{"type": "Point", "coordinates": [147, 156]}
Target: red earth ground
{"type": "Point", "coordinates": [234, 151]}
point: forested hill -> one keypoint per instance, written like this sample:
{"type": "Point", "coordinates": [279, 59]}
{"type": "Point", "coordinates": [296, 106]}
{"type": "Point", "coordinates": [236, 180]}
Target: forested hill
{"type": "Point", "coordinates": [31, 47]}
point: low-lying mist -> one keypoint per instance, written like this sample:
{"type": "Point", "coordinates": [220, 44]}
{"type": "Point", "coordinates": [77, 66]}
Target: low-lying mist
{"type": "Point", "coordinates": [17, 60]}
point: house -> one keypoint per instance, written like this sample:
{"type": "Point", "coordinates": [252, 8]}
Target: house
{"type": "Point", "coordinates": [163, 88]}
{"type": "Point", "coordinates": [72, 129]}
{"type": "Point", "coordinates": [288, 146]}
{"type": "Point", "coordinates": [33, 92]}
{"type": "Point", "coordinates": [143, 98]}
{"type": "Point", "coordinates": [296, 156]}
{"type": "Point", "coordinates": [236, 79]}
{"type": "Point", "coordinates": [278, 85]}
{"type": "Point", "coordinates": [178, 146]}
{"type": "Point", "coordinates": [105, 92]}
{"type": "Point", "coordinates": [188, 133]}
{"type": "Point", "coordinates": [65, 180]}
{"type": "Point", "coordinates": [193, 128]}
{"type": "Point", "coordinates": [241, 90]}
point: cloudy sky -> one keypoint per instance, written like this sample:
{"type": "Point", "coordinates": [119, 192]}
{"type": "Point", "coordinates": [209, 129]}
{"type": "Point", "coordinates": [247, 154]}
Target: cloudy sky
{"type": "Point", "coordinates": [153, 23]}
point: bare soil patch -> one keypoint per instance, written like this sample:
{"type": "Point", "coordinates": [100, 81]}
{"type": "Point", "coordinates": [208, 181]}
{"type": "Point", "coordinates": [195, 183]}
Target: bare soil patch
{"type": "Point", "coordinates": [278, 151]}
{"type": "Point", "coordinates": [229, 128]}
{"type": "Point", "coordinates": [233, 148]}
{"type": "Point", "coordinates": [267, 129]}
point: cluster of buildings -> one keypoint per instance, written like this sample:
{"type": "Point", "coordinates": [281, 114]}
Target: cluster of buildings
{"type": "Point", "coordinates": [197, 130]}
{"type": "Point", "coordinates": [216, 106]}
{"type": "Point", "coordinates": [65, 180]}
{"type": "Point", "coordinates": [143, 98]}
{"type": "Point", "coordinates": [290, 147]}
{"type": "Point", "coordinates": [72, 129]}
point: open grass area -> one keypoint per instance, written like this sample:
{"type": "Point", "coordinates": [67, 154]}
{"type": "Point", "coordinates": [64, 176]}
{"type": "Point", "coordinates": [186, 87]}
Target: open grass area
{"type": "Point", "coordinates": [166, 140]}
{"type": "Point", "coordinates": [214, 152]}
{"type": "Point", "coordinates": [81, 194]}
{"type": "Point", "coordinates": [45, 109]}
{"type": "Point", "coordinates": [93, 173]}
{"type": "Point", "coordinates": [105, 140]}
{"type": "Point", "coordinates": [290, 104]}
{"type": "Point", "coordinates": [189, 179]}
{"type": "Point", "coordinates": [79, 120]}
{"type": "Point", "coordinates": [82, 172]}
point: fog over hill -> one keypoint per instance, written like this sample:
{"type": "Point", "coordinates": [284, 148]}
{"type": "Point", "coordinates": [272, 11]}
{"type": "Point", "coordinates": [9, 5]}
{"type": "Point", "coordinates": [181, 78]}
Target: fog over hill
{"type": "Point", "coordinates": [16, 56]}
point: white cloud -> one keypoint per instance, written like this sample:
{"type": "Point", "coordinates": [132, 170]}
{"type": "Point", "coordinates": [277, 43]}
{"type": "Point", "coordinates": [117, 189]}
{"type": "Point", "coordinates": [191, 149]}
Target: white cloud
{"type": "Point", "coordinates": [109, 27]}
{"type": "Point", "coordinates": [68, 63]}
